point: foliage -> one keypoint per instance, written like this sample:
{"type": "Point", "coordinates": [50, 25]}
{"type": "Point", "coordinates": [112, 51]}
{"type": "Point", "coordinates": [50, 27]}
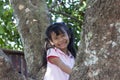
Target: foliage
{"type": "Point", "coordinates": [70, 11]}
{"type": "Point", "coordinates": [9, 37]}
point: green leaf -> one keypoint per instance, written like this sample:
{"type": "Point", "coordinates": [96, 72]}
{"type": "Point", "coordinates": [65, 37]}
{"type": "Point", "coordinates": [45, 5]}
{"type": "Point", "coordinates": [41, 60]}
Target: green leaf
{"type": "Point", "coordinates": [1, 41]}
{"type": "Point", "coordinates": [1, 30]}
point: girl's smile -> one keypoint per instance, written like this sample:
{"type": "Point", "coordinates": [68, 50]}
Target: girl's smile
{"type": "Point", "coordinates": [61, 41]}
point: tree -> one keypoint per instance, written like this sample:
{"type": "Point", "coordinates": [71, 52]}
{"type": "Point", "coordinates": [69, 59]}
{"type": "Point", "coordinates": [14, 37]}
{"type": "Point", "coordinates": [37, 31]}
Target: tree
{"type": "Point", "coordinates": [98, 56]}
{"type": "Point", "coordinates": [33, 19]}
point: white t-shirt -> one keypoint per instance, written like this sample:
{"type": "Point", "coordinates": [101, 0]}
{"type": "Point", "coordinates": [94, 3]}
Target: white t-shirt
{"type": "Point", "coordinates": [53, 72]}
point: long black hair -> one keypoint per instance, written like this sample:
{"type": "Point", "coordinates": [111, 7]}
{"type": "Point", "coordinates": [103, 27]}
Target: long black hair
{"type": "Point", "coordinates": [58, 28]}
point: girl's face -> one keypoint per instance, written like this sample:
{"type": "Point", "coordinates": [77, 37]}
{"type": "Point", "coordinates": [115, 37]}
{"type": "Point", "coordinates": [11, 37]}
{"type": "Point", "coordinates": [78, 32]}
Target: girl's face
{"type": "Point", "coordinates": [60, 41]}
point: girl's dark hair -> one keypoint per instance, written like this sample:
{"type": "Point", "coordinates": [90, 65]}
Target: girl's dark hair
{"type": "Point", "coordinates": [58, 28]}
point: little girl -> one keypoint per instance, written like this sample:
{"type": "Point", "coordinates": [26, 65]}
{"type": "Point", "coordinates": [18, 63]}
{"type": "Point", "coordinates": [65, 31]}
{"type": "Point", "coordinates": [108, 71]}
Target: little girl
{"type": "Point", "coordinates": [59, 56]}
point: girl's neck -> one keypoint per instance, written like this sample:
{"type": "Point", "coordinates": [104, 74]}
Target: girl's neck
{"type": "Point", "coordinates": [66, 51]}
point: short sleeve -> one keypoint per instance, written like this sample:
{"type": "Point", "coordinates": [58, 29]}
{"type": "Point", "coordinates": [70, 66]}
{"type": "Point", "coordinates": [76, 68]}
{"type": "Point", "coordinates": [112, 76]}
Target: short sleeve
{"type": "Point", "coordinates": [51, 53]}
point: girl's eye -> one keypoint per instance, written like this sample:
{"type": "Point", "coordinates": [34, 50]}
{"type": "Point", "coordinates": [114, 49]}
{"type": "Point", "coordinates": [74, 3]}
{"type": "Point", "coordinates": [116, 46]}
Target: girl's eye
{"type": "Point", "coordinates": [63, 35]}
{"type": "Point", "coordinates": [55, 38]}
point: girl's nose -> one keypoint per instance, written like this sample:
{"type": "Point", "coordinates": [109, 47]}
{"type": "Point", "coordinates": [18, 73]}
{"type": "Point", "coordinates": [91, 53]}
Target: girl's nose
{"type": "Point", "coordinates": [61, 39]}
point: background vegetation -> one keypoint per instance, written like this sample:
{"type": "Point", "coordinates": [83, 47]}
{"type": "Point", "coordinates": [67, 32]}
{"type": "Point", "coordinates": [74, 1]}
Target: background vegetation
{"type": "Point", "coordinates": [69, 11]}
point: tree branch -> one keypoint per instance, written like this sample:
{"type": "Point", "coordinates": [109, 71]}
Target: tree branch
{"type": "Point", "coordinates": [65, 14]}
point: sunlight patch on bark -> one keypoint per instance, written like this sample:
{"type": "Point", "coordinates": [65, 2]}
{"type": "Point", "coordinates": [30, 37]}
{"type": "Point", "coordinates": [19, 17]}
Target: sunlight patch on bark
{"type": "Point", "coordinates": [114, 44]}
{"type": "Point", "coordinates": [27, 10]}
{"type": "Point", "coordinates": [35, 20]}
{"type": "Point", "coordinates": [117, 25]}
{"type": "Point", "coordinates": [119, 30]}
{"type": "Point", "coordinates": [109, 42]}
{"type": "Point", "coordinates": [92, 59]}
{"type": "Point", "coordinates": [94, 73]}
{"type": "Point", "coordinates": [89, 36]}
{"type": "Point", "coordinates": [27, 21]}
{"type": "Point", "coordinates": [21, 7]}
{"type": "Point", "coordinates": [111, 25]}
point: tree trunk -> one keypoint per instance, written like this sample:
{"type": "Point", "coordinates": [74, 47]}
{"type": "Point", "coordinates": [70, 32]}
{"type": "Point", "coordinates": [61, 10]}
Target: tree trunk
{"type": "Point", "coordinates": [99, 54]}
{"type": "Point", "coordinates": [32, 19]}
{"type": "Point", "coordinates": [6, 69]}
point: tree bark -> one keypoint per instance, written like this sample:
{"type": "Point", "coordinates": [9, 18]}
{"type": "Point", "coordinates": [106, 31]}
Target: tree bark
{"type": "Point", "coordinates": [99, 52]}
{"type": "Point", "coordinates": [6, 69]}
{"type": "Point", "coordinates": [32, 19]}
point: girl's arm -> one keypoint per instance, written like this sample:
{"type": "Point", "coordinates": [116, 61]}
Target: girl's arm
{"type": "Point", "coordinates": [61, 65]}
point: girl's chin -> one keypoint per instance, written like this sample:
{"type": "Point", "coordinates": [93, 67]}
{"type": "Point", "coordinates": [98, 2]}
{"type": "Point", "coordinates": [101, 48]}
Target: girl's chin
{"type": "Point", "coordinates": [62, 47]}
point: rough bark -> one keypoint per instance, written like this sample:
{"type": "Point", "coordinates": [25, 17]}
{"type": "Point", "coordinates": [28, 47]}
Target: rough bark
{"type": "Point", "coordinates": [32, 19]}
{"type": "Point", "coordinates": [99, 54]}
{"type": "Point", "coordinates": [6, 69]}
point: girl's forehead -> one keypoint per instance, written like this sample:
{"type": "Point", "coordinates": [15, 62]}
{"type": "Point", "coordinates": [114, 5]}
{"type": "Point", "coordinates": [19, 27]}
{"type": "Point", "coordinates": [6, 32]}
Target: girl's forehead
{"type": "Point", "coordinates": [57, 33]}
